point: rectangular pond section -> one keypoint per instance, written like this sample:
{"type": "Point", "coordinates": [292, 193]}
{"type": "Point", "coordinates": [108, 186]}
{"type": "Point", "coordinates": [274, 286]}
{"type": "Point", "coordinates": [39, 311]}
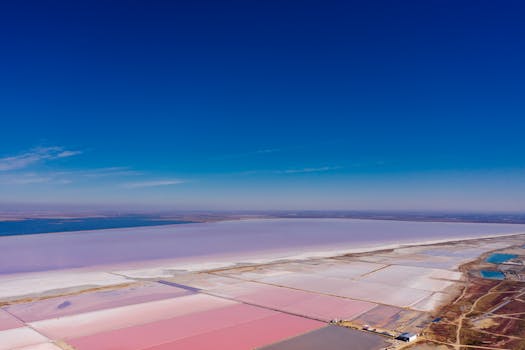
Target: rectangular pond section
{"type": "Point", "coordinates": [499, 258]}
{"type": "Point", "coordinates": [331, 338]}
{"type": "Point", "coordinates": [492, 275]}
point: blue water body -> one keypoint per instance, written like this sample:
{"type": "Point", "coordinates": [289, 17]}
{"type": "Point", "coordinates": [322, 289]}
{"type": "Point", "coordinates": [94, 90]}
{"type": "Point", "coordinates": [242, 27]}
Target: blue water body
{"type": "Point", "coordinates": [500, 258]}
{"type": "Point", "coordinates": [35, 226]}
{"type": "Point", "coordinates": [493, 275]}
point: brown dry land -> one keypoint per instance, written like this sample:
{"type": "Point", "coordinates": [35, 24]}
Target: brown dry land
{"type": "Point", "coordinates": [489, 314]}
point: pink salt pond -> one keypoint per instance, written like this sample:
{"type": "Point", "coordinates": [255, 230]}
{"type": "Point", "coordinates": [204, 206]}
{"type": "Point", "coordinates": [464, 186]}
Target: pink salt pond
{"type": "Point", "coordinates": [313, 305]}
{"type": "Point", "coordinates": [249, 335]}
{"type": "Point", "coordinates": [238, 326]}
{"type": "Point", "coordinates": [88, 302]}
{"type": "Point", "coordinates": [90, 323]}
{"type": "Point", "coordinates": [8, 321]}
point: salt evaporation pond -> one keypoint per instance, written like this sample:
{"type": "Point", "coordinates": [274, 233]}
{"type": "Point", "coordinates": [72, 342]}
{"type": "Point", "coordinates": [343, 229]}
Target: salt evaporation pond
{"type": "Point", "coordinates": [230, 240]}
{"type": "Point", "coordinates": [499, 258]}
{"type": "Point", "coordinates": [331, 338]}
{"type": "Point", "coordinates": [493, 275]}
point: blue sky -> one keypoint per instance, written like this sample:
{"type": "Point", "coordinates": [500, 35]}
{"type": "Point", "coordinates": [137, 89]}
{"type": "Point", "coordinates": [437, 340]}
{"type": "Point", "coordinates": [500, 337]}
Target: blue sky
{"type": "Point", "coordinates": [264, 104]}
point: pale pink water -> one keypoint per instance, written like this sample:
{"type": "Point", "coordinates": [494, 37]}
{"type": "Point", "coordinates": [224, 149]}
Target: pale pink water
{"type": "Point", "coordinates": [239, 327]}
{"type": "Point", "coordinates": [70, 305]}
{"type": "Point", "coordinates": [231, 238]}
{"type": "Point", "coordinates": [246, 336]}
{"type": "Point", "coordinates": [166, 331]}
{"type": "Point", "coordinates": [128, 316]}
{"type": "Point", "coordinates": [321, 307]}
{"type": "Point", "coordinates": [8, 321]}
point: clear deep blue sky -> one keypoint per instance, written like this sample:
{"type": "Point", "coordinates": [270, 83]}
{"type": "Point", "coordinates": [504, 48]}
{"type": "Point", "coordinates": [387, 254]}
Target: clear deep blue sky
{"type": "Point", "coordinates": [264, 104]}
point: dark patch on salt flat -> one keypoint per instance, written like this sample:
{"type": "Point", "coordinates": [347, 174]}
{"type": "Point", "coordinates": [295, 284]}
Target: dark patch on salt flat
{"type": "Point", "coordinates": [181, 286]}
{"type": "Point", "coordinates": [64, 305]}
{"type": "Point", "coordinates": [331, 338]}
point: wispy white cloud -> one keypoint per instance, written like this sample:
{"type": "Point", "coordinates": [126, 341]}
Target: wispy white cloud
{"type": "Point", "coordinates": [66, 154]}
{"type": "Point", "coordinates": [100, 172]}
{"type": "Point", "coordinates": [34, 156]}
{"type": "Point", "coordinates": [293, 171]}
{"type": "Point", "coordinates": [24, 179]}
{"type": "Point", "coordinates": [309, 170]}
{"type": "Point", "coordinates": [21, 170]}
{"type": "Point", "coordinates": [153, 183]}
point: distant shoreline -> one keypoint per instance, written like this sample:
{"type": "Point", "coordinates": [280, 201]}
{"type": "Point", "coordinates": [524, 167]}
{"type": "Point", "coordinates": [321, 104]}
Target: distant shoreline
{"type": "Point", "coordinates": [18, 225]}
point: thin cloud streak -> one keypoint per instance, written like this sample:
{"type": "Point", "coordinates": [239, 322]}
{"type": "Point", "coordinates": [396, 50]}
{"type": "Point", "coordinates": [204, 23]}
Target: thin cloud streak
{"type": "Point", "coordinates": [101, 172]}
{"type": "Point", "coordinates": [35, 155]}
{"type": "Point", "coordinates": [153, 183]}
{"type": "Point", "coordinates": [310, 170]}
{"type": "Point", "coordinates": [24, 179]}
{"type": "Point", "coordinates": [293, 171]}
{"type": "Point", "coordinates": [66, 154]}
{"type": "Point", "coordinates": [64, 177]}
{"type": "Point", "coordinates": [21, 170]}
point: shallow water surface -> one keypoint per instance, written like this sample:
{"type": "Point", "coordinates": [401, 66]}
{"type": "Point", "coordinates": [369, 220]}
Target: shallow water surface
{"type": "Point", "coordinates": [493, 275]}
{"type": "Point", "coordinates": [499, 258]}
{"type": "Point", "coordinates": [233, 240]}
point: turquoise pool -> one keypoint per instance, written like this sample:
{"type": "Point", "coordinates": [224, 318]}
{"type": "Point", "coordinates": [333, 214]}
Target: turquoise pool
{"type": "Point", "coordinates": [500, 258]}
{"type": "Point", "coordinates": [493, 275]}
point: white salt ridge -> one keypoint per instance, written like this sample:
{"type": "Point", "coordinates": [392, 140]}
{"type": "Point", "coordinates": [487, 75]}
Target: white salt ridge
{"type": "Point", "coordinates": [34, 283]}
{"type": "Point", "coordinates": [43, 346]}
{"type": "Point", "coordinates": [433, 280]}
{"type": "Point", "coordinates": [19, 338]}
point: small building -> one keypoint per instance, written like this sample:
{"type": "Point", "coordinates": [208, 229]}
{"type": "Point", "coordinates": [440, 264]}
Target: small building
{"type": "Point", "coordinates": [407, 337]}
